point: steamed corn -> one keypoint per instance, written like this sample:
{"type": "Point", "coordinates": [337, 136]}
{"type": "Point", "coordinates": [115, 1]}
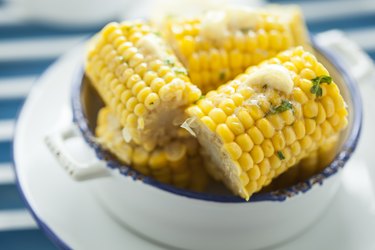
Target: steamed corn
{"type": "Point", "coordinates": [254, 127]}
{"type": "Point", "coordinates": [223, 43]}
{"type": "Point", "coordinates": [178, 163]}
{"type": "Point", "coordinates": [141, 80]}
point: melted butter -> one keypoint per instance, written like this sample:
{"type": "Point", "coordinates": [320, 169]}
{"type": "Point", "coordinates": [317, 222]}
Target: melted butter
{"type": "Point", "coordinates": [151, 46]}
{"type": "Point", "coordinates": [274, 76]}
{"type": "Point", "coordinates": [217, 24]}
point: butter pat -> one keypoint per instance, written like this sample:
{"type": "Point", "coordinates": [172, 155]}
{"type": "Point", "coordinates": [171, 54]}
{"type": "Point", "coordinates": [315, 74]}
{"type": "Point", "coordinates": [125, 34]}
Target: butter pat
{"type": "Point", "coordinates": [151, 45]}
{"type": "Point", "coordinates": [274, 76]}
{"type": "Point", "coordinates": [242, 18]}
{"type": "Point", "coordinates": [214, 26]}
{"type": "Point", "coordinates": [217, 24]}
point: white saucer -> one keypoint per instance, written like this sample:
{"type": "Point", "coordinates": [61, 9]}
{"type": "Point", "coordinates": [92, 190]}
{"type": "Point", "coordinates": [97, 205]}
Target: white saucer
{"type": "Point", "coordinates": [72, 218]}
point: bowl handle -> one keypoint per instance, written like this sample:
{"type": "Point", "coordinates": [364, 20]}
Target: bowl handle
{"type": "Point", "coordinates": [358, 63]}
{"type": "Point", "coordinates": [56, 143]}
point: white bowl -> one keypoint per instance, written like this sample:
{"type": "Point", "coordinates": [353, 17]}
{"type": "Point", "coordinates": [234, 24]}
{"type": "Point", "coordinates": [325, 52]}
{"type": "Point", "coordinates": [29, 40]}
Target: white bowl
{"type": "Point", "coordinates": [183, 219]}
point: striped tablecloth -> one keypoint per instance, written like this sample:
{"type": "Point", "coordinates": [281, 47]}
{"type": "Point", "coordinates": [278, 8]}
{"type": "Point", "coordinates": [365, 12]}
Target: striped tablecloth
{"type": "Point", "coordinates": [27, 49]}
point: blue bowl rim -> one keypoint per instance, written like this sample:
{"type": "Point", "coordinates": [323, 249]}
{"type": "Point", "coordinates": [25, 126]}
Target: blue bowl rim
{"type": "Point", "coordinates": [279, 195]}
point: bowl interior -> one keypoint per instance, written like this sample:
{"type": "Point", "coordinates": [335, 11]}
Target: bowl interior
{"type": "Point", "coordinates": [86, 104]}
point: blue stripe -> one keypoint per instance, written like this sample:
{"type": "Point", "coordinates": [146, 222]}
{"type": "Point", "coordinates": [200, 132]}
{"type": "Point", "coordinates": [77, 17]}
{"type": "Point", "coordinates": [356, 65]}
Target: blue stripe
{"type": "Point", "coordinates": [5, 152]}
{"type": "Point", "coordinates": [371, 53]}
{"type": "Point", "coordinates": [24, 67]}
{"type": "Point", "coordinates": [28, 30]}
{"type": "Point", "coordinates": [10, 197]}
{"type": "Point", "coordinates": [32, 239]}
{"type": "Point", "coordinates": [297, 1]}
{"type": "Point", "coordinates": [343, 22]}
{"type": "Point", "coordinates": [9, 108]}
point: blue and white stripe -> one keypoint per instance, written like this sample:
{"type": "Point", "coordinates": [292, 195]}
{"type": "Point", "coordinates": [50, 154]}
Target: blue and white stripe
{"type": "Point", "coordinates": [25, 52]}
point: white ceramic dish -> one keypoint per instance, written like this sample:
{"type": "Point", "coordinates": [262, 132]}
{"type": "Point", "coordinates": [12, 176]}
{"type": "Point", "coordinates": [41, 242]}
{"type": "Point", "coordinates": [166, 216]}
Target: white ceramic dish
{"type": "Point", "coordinates": [72, 217]}
{"type": "Point", "coordinates": [184, 219]}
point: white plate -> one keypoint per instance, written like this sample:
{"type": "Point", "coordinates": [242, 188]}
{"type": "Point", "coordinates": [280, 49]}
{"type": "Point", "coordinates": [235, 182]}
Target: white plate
{"type": "Point", "coordinates": [71, 217]}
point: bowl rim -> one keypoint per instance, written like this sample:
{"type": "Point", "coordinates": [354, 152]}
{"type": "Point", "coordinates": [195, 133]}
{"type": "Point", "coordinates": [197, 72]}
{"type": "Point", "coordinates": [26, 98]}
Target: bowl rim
{"type": "Point", "coordinates": [279, 195]}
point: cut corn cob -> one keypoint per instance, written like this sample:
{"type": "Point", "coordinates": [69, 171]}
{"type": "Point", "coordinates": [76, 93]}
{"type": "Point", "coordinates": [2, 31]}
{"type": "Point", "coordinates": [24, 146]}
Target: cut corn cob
{"type": "Point", "coordinates": [140, 79]}
{"type": "Point", "coordinates": [178, 163]}
{"type": "Point", "coordinates": [221, 44]}
{"type": "Point", "coordinates": [255, 127]}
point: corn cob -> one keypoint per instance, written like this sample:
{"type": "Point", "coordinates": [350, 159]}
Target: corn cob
{"type": "Point", "coordinates": [140, 79]}
{"type": "Point", "coordinates": [220, 45]}
{"type": "Point", "coordinates": [266, 120]}
{"type": "Point", "coordinates": [178, 163]}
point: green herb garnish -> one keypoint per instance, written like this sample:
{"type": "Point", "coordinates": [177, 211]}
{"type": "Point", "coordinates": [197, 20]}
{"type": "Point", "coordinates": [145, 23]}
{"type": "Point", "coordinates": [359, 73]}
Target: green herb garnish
{"type": "Point", "coordinates": [316, 89]}
{"type": "Point", "coordinates": [201, 97]}
{"type": "Point", "coordinates": [180, 71]}
{"type": "Point", "coordinates": [280, 155]}
{"type": "Point", "coordinates": [222, 75]}
{"type": "Point", "coordinates": [157, 33]}
{"type": "Point", "coordinates": [169, 61]}
{"type": "Point", "coordinates": [284, 106]}
{"type": "Point", "coordinates": [245, 30]}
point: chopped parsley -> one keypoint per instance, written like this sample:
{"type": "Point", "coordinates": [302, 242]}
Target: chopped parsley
{"type": "Point", "coordinates": [180, 71]}
{"type": "Point", "coordinates": [222, 75]}
{"type": "Point", "coordinates": [284, 106]}
{"type": "Point", "coordinates": [316, 89]}
{"type": "Point", "coordinates": [169, 61]}
{"type": "Point", "coordinates": [157, 33]}
{"type": "Point", "coordinates": [245, 30]}
{"type": "Point", "coordinates": [280, 155]}
{"type": "Point", "coordinates": [201, 97]}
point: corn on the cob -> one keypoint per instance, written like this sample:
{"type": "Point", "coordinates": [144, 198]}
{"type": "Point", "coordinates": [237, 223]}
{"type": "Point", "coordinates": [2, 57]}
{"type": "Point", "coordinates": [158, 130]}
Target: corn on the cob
{"type": "Point", "coordinates": [179, 163]}
{"type": "Point", "coordinates": [141, 80]}
{"type": "Point", "coordinates": [266, 120]}
{"type": "Point", "coordinates": [220, 45]}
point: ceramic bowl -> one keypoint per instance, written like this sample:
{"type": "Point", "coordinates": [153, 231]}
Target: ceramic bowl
{"type": "Point", "coordinates": [189, 220]}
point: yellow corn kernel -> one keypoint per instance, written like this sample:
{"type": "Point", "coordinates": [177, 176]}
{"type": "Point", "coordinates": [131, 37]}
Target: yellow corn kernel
{"type": "Point", "coordinates": [267, 148]}
{"type": "Point", "coordinates": [299, 129]}
{"type": "Point", "coordinates": [265, 127]}
{"type": "Point", "coordinates": [328, 105]}
{"type": "Point", "coordinates": [265, 167]}
{"type": "Point", "coordinates": [225, 133]}
{"type": "Point", "coordinates": [217, 115]}
{"type": "Point", "coordinates": [235, 125]}
{"type": "Point", "coordinates": [209, 123]}
{"type": "Point", "coordinates": [152, 101]}
{"type": "Point", "coordinates": [310, 126]}
{"type": "Point", "coordinates": [289, 135]}
{"type": "Point", "coordinates": [246, 161]}
{"type": "Point", "coordinates": [233, 149]}
{"type": "Point", "coordinates": [245, 142]}
{"type": "Point", "coordinates": [257, 154]}
{"type": "Point", "coordinates": [255, 135]}
{"type": "Point", "coordinates": [254, 172]}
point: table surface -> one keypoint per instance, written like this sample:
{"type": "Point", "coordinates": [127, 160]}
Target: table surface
{"type": "Point", "coordinates": [26, 51]}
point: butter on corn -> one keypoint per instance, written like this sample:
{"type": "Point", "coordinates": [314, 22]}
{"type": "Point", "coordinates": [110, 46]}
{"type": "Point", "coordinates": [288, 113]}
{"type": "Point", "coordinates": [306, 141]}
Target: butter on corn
{"type": "Point", "coordinates": [253, 133]}
{"type": "Point", "coordinates": [178, 163]}
{"type": "Point", "coordinates": [140, 79]}
{"type": "Point", "coordinates": [221, 44]}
